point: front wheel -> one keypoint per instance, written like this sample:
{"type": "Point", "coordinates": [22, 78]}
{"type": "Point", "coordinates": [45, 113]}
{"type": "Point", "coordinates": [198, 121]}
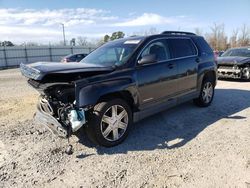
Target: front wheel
{"type": "Point", "coordinates": [110, 122]}
{"type": "Point", "coordinates": [206, 94]}
{"type": "Point", "coordinates": [246, 73]}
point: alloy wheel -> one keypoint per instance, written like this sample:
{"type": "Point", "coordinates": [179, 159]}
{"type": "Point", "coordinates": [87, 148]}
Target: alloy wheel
{"type": "Point", "coordinates": [114, 123]}
{"type": "Point", "coordinates": [207, 92]}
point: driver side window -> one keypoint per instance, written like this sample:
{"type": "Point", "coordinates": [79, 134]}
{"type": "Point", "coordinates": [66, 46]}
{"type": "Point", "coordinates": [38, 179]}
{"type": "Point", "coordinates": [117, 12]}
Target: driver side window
{"type": "Point", "coordinates": [159, 49]}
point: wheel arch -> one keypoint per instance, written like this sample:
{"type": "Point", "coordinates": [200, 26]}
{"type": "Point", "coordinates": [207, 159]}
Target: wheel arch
{"type": "Point", "coordinates": [124, 95]}
{"type": "Point", "coordinates": [93, 93]}
{"type": "Point", "coordinates": [210, 73]}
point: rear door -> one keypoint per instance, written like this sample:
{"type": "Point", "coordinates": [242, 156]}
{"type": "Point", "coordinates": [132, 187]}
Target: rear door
{"type": "Point", "coordinates": [185, 54]}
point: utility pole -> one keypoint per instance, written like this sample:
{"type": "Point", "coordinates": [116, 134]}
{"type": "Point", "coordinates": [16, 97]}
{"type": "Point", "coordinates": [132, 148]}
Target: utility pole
{"type": "Point", "coordinates": [64, 41]}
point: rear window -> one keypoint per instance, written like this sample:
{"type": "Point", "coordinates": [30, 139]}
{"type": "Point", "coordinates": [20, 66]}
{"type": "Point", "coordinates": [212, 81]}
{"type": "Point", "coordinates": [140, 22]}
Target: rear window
{"type": "Point", "coordinates": [182, 48]}
{"type": "Point", "coordinates": [72, 58]}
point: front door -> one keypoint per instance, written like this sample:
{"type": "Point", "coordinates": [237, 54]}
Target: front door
{"type": "Point", "coordinates": [157, 80]}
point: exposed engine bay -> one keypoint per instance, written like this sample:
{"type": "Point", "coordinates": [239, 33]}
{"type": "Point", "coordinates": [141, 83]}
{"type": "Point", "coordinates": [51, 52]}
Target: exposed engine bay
{"type": "Point", "coordinates": [59, 102]}
{"type": "Point", "coordinates": [56, 83]}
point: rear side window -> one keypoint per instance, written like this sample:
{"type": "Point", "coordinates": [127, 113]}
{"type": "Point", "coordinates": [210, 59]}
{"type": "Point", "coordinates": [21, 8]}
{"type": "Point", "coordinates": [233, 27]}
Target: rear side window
{"type": "Point", "coordinates": [203, 45]}
{"type": "Point", "coordinates": [182, 48]}
{"type": "Point", "coordinates": [79, 57]}
{"type": "Point", "coordinates": [72, 58]}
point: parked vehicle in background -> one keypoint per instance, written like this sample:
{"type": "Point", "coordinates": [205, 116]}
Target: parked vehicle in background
{"type": "Point", "coordinates": [218, 53]}
{"type": "Point", "coordinates": [121, 82]}
{"type": "Point", "coordinates": [235, 63]}
{"type": "Point", "coordinates": [73, 58]}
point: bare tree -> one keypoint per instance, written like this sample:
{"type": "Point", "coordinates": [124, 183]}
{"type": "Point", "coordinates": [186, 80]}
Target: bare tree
{"type": "Point", "coordinates": [73, 42]}
{"type": "Point", "coordinates": [244, 38]}
{"type": "Point", "coordinates": [82, 41]}
{"type": "Point", "coordinates": [234, 38]}
{"type": "Point", "coordinates": [217, 38]}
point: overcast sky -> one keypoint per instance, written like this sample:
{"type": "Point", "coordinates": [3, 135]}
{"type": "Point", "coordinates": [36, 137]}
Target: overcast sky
{"type": "Point", "coordinates": [39, 21]}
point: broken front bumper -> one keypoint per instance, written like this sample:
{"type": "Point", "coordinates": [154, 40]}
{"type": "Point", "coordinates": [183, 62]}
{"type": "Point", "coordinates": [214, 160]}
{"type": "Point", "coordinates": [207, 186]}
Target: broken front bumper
{"type": "Point", "coordinates": [50, 122]}
{"type": "Point", "coordinates": [229, 72]}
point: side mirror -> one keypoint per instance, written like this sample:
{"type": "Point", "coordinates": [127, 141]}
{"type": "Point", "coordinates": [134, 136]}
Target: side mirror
{"type": "Point", "coordinates": [147, 59]}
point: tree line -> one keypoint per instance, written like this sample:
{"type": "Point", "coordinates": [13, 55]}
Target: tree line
{"type": "Point", "coordinates": [216, 37]}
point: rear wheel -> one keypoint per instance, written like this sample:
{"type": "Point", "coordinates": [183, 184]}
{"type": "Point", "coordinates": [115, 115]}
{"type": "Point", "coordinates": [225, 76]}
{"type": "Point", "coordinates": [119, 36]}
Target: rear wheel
{"type": "Point", "coordinates": [110, 122]}
{"type": "Point", "coordinates": [206, 94]}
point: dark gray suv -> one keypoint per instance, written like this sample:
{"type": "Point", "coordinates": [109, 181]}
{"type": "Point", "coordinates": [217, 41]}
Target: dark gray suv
{"type": "Point", "coordinates": [121, 82]}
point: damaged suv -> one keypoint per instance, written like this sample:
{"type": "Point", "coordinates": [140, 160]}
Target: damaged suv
{"type": "Point", "coordinates": [122, 82]}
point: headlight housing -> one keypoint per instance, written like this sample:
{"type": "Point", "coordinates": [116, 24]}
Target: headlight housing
{"type": "Point", "coordinates": [29, 72]}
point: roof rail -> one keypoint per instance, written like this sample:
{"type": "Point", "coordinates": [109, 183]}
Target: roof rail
{"type": "Point", "coordinates": [177, 33]}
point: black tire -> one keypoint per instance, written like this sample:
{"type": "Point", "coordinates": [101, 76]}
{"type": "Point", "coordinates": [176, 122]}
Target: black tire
{"type": "Point", "coordinates": [247, 73]}
{"type": "Point", "coordinates": [200, 101]}
{"type": "Point", "coordinates": [94, 127]}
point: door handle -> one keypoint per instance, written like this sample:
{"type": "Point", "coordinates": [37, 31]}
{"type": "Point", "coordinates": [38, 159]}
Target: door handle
{"type": "Point", "coordinates": [170, 66]}
{"type": "Point", "coordinates": [197, 60]}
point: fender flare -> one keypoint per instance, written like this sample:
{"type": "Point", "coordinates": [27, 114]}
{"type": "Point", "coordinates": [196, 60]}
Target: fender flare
{"type": "Point", "coordinates": [203, 71]}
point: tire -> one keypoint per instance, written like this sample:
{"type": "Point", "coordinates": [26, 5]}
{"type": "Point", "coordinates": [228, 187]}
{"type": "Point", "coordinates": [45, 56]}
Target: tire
{"type": "Point", "coordinates": [206, 94]}
{"type": "Point", "coordinates": [246, 73]}
{"type": "Point", "coordinates": [107, 129]}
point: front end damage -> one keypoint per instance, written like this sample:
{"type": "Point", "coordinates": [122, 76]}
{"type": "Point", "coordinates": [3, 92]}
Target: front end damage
{"type": "Point", "coordinates": [233, 71]}
{"type": "Point", "coordinates": [61, 120]}
{"type": "Point", "coordinates": [58, 108]}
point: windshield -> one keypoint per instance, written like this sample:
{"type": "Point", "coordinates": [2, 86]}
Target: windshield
{"type": "Point", "coordinates": [114, 53]}
{"type": "Point", "coordinates": [242, 52]}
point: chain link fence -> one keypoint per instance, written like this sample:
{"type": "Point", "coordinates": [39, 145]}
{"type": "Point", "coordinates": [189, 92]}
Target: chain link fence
{"type": "Point", "coordinates": [13, 56]}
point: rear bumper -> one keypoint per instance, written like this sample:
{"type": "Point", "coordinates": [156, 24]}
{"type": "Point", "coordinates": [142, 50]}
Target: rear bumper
{"type": "Point", "coordinates": [51, 123]}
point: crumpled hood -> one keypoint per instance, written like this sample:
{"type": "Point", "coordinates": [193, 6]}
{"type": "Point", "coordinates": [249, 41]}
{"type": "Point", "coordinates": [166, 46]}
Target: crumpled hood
{"type": "Point", "coordinates": [38, 70]}
{"type": "Point", "coordinates": [57, 67]}
{"type": "Point", "coordinates": [233, 60]}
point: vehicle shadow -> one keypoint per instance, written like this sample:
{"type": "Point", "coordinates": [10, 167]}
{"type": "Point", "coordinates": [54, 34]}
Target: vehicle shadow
{"type": "Point", "coordinates": [233, 80]}
{"type": "Point", "coordinates": [176, 127]}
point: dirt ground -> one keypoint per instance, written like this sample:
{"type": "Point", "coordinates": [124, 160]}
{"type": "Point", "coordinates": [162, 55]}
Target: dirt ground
{"type": "Point", "coordinates": [186, 146]}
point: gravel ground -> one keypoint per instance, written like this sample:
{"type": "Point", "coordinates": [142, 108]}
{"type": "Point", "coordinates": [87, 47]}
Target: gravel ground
{"type": "Point", "coordinates": [186, 146]}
